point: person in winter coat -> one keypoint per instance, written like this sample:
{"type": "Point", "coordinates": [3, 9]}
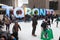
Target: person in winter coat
{"type": "Point", "coordinates": [16, 27]}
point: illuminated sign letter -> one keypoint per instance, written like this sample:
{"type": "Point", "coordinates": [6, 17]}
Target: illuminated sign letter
{"type": "Point", "coordinates": [15, 12]}
{"type": "Point", "coordinates": [35, 10]}
{"type": "Point", "coordinates": [42, 12]}
{"type": "Point", "coordinates": [27, 11]}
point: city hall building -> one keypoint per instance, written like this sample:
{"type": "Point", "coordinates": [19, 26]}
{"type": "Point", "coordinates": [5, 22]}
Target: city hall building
{"type": "Point", "coordinates": [50, 4]}
{"type": "Point", "coordinates": [44, 4]}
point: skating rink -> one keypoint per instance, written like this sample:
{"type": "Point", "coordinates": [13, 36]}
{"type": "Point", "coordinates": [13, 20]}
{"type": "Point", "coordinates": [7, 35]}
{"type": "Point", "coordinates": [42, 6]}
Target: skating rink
{"type": "Point", "coordinates": [26, 30]}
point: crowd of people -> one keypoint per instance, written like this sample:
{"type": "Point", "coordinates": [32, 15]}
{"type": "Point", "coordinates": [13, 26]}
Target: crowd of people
{"type": "Point", "coordinates": [5, 35]}
{"type": "Point", "coordinates": [14, 36]}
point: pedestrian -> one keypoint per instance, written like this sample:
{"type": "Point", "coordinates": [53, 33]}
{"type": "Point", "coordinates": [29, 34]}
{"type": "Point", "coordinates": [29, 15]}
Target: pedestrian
{"type": "Point", "coordinates": [59, 38]}
{"type": "Point", "coordinates": [44, 25]}
{"type": "Point", "coordinates": [48, 22]}
{"type": "Point", "coordinates": [34, 24]}
{"type": "Point", "coordinates": [7, 23]}
{"type": "Point", "coordinates": [57, 20]}
{"type": "Point", "coordinates": [46, 33]}
{"type": "Point", "coordinates": [3, 38]}
{"type": "Point", "coordinates": [12, 37]}
{"type": "Point", "coordinates": [52, 17]}
{"type": "Point", "coordinates": [1, 24]}
{"type": "Point", "coordinates": [15, 29]}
